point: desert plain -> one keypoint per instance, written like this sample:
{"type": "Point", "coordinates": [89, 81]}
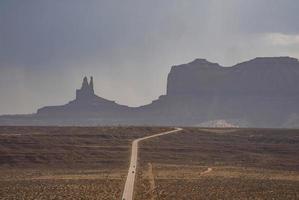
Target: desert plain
{"type": "Point", "coordinates": [196, 163]}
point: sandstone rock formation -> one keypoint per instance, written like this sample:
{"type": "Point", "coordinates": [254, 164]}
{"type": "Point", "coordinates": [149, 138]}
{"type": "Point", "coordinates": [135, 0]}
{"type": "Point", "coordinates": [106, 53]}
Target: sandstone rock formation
{"type": "Point", "coordinates": [258, 77]}
{"type": "Point", "coordinates": [263, 92]}
{"type": "Point", "coordinates": [86, 92]}
{"type": "Point", "coordinates": [86, 105]}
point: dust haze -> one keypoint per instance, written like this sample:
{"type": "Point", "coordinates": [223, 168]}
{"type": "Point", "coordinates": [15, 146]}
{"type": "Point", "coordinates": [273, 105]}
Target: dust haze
{"type": "Point", "coordinates": [46, 47]}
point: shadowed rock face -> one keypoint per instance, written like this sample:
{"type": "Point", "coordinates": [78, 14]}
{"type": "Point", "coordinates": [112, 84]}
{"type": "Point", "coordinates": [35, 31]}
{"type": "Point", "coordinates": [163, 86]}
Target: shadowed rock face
{"type": "Point", "coordinates": [86, 92]}
{"type": "Point", "coordinates": [258, 77]}
{"type": "Point", "coordinates": [86, 104]}
{"type": "Point", "coordinates": [263, 92]}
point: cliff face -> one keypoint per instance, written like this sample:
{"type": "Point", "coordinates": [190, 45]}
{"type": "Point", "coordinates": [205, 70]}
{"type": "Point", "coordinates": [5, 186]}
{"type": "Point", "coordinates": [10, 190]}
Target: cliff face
{"type": "Point", "coordinates": [263, 92]}
{"type": "Point", "coordinates": [258, 77]}
{"type": "Point", "coordinates": [86, 92]}
{"type": "Point", "coordinates": [87, 104]}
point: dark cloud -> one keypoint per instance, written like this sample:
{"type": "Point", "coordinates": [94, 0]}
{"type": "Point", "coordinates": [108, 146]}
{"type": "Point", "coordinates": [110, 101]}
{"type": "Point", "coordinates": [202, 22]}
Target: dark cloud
{"type": "Point", "coordinates": [128, 45]}
{"type": "Point", "coordinates": [268, 16]}
{"type": "Point", "coordinates": [36, 32]}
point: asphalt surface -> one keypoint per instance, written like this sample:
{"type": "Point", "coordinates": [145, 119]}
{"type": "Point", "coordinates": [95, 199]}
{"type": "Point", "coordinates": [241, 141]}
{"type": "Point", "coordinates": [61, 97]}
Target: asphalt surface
{"type": "Point", "coordinates": [129, 186]}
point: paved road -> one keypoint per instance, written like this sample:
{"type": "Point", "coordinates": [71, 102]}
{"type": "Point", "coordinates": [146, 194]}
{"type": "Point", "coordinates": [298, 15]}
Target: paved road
{"type": "Point", "coordinates": [129, 186]}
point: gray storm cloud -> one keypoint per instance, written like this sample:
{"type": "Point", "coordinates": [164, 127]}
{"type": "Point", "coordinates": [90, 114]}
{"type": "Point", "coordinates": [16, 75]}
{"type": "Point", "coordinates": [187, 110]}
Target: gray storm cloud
{"type": "Point", "coordinates": [46, 47]}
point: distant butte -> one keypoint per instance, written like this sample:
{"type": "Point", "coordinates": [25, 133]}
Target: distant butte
{"type": "Point", "coordinates": [263, 92]}
{"type": "Point", "coordinates": [87, 103]}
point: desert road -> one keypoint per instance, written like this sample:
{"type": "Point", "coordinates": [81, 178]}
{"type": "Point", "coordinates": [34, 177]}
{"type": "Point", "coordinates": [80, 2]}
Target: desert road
{"type": "Point", "coordinates": [129, 185]}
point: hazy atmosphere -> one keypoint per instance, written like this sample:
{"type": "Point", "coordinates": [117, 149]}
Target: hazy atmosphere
{"type": "Point", "coordinates": [46, 47]}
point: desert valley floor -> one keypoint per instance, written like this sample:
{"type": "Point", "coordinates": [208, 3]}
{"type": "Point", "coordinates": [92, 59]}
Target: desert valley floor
{"type": "Point", "coordinates": [92, 163]}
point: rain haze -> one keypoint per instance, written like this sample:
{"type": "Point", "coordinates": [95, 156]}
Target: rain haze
{"type": "Point", "coordinates": [46, 47]}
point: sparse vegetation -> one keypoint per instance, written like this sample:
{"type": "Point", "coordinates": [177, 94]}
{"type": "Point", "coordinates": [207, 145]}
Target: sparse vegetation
{"type": "Point", "coordinates": [220, 164]}
{"type": "Point", "coordinates": [65, 162]}
{"type": "Point", "coordinates": [92, 163]}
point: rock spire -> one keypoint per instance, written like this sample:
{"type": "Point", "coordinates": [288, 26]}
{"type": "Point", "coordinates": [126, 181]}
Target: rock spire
{"type": "Point", "coordinates": [86, 90]}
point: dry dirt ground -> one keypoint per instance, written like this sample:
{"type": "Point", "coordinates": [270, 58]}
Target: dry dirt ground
{"type": "Point", "coordinates": [91, 163]}
{"type": "Point", "coordinates": [66, 162]}
{"type": "Point", "coordinates": [220, 164]}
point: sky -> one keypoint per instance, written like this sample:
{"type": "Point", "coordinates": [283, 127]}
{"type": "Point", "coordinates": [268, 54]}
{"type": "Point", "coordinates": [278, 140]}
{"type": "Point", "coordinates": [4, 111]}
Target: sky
{"type": "Point", "coordinates": [129, 46]}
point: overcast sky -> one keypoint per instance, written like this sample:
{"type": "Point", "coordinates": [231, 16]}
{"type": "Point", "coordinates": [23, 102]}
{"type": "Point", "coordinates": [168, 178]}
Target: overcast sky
{"type": "Point", "coordinates": [47, 46]}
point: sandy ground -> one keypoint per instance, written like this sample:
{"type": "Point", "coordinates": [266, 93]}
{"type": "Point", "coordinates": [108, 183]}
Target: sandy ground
{"type": "Point", "coordinates": [221, 164]}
